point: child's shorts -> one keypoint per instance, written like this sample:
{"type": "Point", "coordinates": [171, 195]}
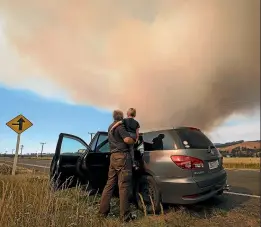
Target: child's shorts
{"type": "Point", "coordinates": [133, 135]}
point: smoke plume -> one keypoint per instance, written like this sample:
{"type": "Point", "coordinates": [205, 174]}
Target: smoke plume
{"type": "Point", "coordinates": [179, 62]}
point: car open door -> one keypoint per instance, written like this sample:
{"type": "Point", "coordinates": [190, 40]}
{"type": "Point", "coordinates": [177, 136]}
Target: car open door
{"type": "Point", "coordinates": [98, 160]}
{"type": "Point", "coordinates": [63, 171]}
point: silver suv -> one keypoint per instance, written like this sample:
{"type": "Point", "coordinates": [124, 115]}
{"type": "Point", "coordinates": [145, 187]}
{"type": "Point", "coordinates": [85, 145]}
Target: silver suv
{"type": "Point", "coordinates": [176, 166]}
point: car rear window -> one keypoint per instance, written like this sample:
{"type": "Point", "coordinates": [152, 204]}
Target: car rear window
{"type": "Point", "coordinates": [193, 138]}
{"type": "Point", "coordinates": [159, 140]}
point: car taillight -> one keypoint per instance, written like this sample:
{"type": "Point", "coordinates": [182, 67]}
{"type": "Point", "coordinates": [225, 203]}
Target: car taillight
{"type": "Point", "coordinates": [193, 128]}
{"type": "Point", "coordinates": [187, 162]}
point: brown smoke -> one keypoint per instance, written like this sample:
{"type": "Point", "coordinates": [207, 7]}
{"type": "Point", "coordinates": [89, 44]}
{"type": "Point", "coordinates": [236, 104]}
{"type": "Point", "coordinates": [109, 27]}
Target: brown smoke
{"type": "Point", "coordinates": [192, 62]}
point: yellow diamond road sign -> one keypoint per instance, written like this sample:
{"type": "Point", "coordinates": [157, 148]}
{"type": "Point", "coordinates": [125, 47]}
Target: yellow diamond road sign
{"type": "Point", "coordinates": [19, 124]}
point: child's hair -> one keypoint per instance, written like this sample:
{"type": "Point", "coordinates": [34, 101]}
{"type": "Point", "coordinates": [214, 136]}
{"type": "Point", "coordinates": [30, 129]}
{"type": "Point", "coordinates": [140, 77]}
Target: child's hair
{"type": "Point", "coordinates": [131, 112]}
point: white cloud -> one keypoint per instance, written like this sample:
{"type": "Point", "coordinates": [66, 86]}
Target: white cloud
{"type": "Point", "coordinates": [29, 78]}
{"type": "Point", "coordinates": [13, 65]}
{"type": "Point", "coordinates": [242, 128]}
{"type": "Point", "coordinates": [98, 57]}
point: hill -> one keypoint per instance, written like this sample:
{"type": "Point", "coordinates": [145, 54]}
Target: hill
{"type": "Point", "coordinates": [221, 145]}
{"type": "Point", "coordinates": [252, 145]}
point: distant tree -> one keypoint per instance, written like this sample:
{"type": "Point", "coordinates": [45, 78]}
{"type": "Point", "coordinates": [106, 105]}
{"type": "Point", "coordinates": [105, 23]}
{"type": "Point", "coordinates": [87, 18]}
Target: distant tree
{"type": "Point", "coordinates": [233, 153]}
{"type": "Point", "coordinates": [224, 153]}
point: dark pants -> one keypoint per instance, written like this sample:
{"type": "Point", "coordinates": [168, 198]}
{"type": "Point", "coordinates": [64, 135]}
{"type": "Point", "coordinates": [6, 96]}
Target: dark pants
{"type": "Point", "coordinates": [120, 171]}
{"type": "Point", "coordinates": [131, 146]}
{"type": "Point", "coordinates": [131, 150]}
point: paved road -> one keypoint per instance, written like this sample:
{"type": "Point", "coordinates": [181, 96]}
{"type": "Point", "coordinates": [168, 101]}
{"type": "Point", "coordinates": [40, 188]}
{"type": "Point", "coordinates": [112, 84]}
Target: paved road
{"type": "Point", "coordinates": [241, 181]}
{"type": "Point", "coordinates": [244, 181]}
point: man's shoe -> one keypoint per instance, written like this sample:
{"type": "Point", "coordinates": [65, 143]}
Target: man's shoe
{"type": "Point", "coordinates": [133, 216]}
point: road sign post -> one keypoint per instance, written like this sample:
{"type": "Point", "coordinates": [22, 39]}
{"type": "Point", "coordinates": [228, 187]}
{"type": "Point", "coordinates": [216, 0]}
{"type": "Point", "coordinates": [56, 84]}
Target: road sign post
{"type": "Point", "coordinates": [19, 124]}
{"type": "Point", "coordinates": [16, 153]}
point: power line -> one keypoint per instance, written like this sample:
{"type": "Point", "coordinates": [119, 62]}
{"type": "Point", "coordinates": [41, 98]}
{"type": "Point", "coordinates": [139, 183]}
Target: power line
{"type": "Point", "coordinates": [22, 147]}
{"type": "Point", "coordinates": [42, 148]}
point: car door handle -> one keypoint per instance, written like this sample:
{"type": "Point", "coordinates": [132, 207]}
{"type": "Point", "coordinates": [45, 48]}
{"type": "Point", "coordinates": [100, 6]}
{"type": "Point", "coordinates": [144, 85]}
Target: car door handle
{"type": "Point", "coordinates": [107, 156]}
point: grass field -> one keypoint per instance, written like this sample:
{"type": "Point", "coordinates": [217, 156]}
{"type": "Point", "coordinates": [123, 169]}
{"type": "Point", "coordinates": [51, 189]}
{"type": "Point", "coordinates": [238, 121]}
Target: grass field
{"type": "Point", "coordinates": [26, 201]}
{"type": "Point", "coordinates": [242, 163]}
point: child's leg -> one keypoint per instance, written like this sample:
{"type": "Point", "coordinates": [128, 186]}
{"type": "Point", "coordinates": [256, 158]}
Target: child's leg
{"type": "Point", "coordinates": [131, 149]}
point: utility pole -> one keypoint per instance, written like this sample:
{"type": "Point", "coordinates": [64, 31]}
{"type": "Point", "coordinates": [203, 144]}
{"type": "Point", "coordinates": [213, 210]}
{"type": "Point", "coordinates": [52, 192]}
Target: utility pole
{"type": "Point", "coordinates": [22, 147]}
{"type": "Point", "coordinates": [91, 133]}
{"type": "Point", "coordinates": [42, 149]}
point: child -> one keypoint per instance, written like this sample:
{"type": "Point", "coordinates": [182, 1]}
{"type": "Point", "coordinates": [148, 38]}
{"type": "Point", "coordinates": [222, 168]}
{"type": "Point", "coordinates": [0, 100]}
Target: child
{"type": "Point", "coordinates": [132, 127]}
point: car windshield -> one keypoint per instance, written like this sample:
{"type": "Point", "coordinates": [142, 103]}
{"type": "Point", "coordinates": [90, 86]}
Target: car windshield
{"type": "Point", "coordinates": [193, 138]}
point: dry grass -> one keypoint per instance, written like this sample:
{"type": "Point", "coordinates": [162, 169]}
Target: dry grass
{"type": "Point", "coordinates": [7, 170]}
{"type": "Point", "coordinates": [25, 200]}
{"type": "Point", "coordinates": [242, 163]}
{"type": "Point", "coordinates": [242, 160]}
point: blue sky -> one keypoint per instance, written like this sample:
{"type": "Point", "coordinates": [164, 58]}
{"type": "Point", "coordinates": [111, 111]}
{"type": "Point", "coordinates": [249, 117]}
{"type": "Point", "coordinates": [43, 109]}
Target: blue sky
{"type": "Point", "coordinates": [49, 117]}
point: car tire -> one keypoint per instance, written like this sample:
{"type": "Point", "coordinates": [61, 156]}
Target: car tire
{"type": "Point", "coordinates": [145, 186]}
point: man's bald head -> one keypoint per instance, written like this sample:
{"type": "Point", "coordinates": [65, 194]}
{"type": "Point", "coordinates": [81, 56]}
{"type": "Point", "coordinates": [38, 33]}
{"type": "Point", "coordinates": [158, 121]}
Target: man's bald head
{"type": "Point", "coordinates": [117, 115]}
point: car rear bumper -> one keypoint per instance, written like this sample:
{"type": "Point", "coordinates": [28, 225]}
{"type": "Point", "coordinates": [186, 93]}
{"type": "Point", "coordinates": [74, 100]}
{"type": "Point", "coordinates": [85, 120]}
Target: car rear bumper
{"type": "Point", "coordinates": [187, 191]}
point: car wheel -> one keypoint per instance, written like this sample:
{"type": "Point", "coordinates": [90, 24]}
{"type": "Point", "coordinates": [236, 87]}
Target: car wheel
{"type": "Point", "coordinates": [147, 194]}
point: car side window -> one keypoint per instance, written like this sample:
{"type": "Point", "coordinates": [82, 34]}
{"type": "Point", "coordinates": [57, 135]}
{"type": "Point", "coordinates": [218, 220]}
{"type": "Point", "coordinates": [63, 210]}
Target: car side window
{"type": "Point", "coordinates": [93, 142]}
{"type": "Point", "coordinates": [103, 144]}
{"type": "Point", "coordinates": [72, 146]}
{"type": "Point", "coordinates": [101, 139]}
{"type": "Point", "coordinates": [105, 148]}
{"type": "Point", "coordinates": [159, 140]}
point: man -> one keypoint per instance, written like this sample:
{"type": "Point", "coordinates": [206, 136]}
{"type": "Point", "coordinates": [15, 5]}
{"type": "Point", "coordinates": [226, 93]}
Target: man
{"type": "Point", "coordinates": [120, 169]}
